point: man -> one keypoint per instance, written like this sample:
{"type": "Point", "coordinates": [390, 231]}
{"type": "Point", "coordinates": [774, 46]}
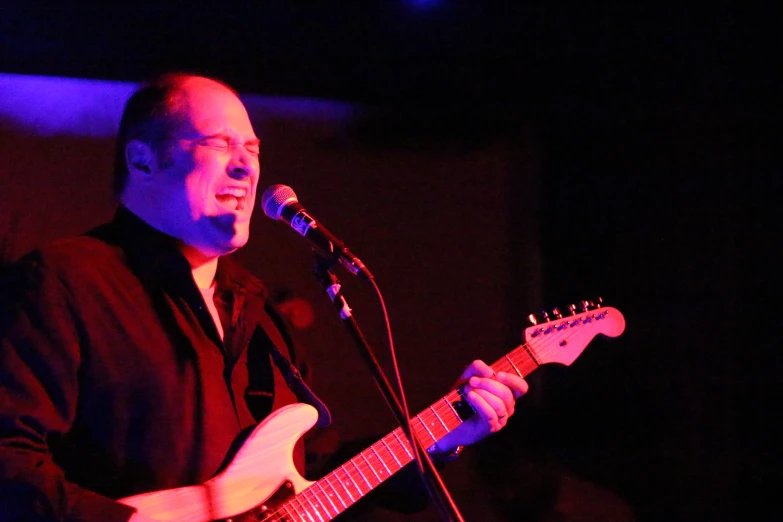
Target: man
{"type": "Point", "coordinates": [133, 356]}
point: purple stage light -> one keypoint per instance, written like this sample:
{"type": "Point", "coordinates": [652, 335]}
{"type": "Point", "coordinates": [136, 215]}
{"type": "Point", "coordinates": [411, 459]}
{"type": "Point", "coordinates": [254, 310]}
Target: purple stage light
{"type": "Point", "coordinates": [56, 106]}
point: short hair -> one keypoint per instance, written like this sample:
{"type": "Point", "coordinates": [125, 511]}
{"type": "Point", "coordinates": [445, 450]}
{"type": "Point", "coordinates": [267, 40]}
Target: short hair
{"type": "Point", "coordinates": [150, 115]}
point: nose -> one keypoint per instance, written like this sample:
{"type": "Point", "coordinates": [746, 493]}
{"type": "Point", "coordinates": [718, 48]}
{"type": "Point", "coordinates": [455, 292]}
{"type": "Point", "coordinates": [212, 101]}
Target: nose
{"type": "Point", "coordinates": [243, 164]}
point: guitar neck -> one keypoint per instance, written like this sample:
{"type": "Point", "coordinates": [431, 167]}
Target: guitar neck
{"type": "Point", "coordinates": [559, 341]}
{"type": "Point", "coordinates": [337, 491]}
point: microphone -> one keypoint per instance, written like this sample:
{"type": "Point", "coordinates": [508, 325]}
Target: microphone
{"type": "Point", "coordinates": [280, 203]}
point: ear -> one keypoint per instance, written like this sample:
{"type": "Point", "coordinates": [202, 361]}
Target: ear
{"type": "Point", "coordinates": [139, 158]}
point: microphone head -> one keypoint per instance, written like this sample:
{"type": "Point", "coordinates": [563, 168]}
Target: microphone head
{"type": "Point", "coordinates": [275, 198]}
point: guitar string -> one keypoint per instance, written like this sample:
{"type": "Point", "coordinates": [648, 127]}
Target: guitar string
{"type": "Point", "coordinates": [314, 505]}
{"type": "Point", "coordinates": [334, 507]}
{"type": "Point", "coordinates": [543, 347]}
{"type": "Point", "coordinates": [342, 483]}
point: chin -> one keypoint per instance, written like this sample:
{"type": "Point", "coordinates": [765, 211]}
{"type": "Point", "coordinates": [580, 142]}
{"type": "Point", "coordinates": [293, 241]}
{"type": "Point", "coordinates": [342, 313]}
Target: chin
{"type": "Point", "coordinates": [227, 236]}
{"type": "Point", "coordinates": [238, 241]}
{"type": "Point", "coordinates": [222, 246]}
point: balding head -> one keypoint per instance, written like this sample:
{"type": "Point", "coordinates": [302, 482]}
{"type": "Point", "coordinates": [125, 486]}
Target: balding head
{"type": "Point", "coordinates": [153, 113]}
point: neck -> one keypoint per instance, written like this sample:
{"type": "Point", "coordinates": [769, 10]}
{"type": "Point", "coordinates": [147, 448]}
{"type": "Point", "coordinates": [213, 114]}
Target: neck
{"type": "Point", "coordinates": [203, 267]}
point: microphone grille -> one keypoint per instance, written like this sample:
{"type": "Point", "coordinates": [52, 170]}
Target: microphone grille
{"type": "Point", "coordinates": [275, 198]}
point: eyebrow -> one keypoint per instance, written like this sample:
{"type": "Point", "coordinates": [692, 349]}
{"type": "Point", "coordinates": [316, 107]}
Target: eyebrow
{"type": "Point", "coordinates": [254, 141]}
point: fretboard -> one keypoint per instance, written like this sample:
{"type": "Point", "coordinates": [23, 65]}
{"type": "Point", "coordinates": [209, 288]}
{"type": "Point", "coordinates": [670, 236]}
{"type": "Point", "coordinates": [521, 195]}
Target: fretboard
{"type": "Point", "coordinates": [337, 491]}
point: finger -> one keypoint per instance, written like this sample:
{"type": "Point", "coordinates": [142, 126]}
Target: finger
{"type": "Point", "coordinates": [483, 408]}
{"type": "Point", "coordinates": [489, 408]}
{"type": "Point", "coordinates": [496, 388]}
{"type": "Point", "coordinates": [501, 409]}
{"type": "Point", "coordinates": [479, 368]}
{"type": "Point", "coordinates": [515, 383]}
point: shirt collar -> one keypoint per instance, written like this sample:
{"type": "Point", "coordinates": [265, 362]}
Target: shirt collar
{"type": "Point", "coordinates": [154, 255]}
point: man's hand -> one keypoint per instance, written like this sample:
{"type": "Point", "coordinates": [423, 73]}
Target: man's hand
{"type": "Point", "coordinates": [492, 395]}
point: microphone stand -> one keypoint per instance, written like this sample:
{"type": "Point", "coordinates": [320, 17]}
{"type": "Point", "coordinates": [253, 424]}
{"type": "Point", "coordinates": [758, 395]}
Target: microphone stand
{"type": "Point", "coordinates": [432, 480]}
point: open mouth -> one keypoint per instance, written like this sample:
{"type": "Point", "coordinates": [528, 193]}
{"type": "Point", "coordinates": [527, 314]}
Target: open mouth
{"type": "Point", "coordinates": [232, 198]}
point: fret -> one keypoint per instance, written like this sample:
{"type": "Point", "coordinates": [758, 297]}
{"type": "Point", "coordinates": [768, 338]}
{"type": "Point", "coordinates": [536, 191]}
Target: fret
{"type": "Point", "coordinates": [302, 508]}
{"type": "Point", "coordinates": [359, 471]}
{"type": "Point", "coordinates": [391, 452]}
{"type": "Point", "coordinates": [320, 507]}
{"type": "Point", "coordinates": [328, 497]}
{"type": "Point", "coordinates": [371, 468]}
{"type": "Point", "coordinates": [402, 443]}
{"type": "Point", "coordinates": [532, 354]}
{"type": "Point", "coordinates": [525, 356]}
{"type": "Point", "coordinates": [430, 425]}
{"type": "Point", "coordinates": [323, 501]}
{"type": "Point", "coordinates": [428, 431]}
{"type": "Point", "coordinates": [350, 480]}
{"type": "Point", "coordinates": [314, 505]}
{"type": "Point", "coordinates": [448, 403]}
{"type": "Point", "coordinates": [514, 366]}
{"type": "Point", "coordinates": [380, 459]}
{"type": "Point", "coordinates": [307, 512]}
{"type": "Point", "coordinates": [305, 496]}
{"type": "Point", "coordinates": [335, 489]}
{"type": "Point", "coordinates": [441, 420]}
{"type": "Point", "coordinates": [287, 511]}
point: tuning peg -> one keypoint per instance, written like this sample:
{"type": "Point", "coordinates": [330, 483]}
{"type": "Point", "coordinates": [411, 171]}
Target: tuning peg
{"type": "Point", "coordinates": [545, 315]}
{"type": "Point", "coordinates": [599, 302]}
{"type": "Point", "coordinates": [556, 313]}
{"type": "Point", "coordinates": [572, 309]}
{"type": "Point", "coordinates": [532, 319]}
{"type": "Point", "coordinates": [585, 306]}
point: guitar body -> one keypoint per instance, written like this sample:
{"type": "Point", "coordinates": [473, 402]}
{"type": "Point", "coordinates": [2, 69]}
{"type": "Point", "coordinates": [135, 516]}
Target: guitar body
{"type": "Point", "coordinates": [262, 466]}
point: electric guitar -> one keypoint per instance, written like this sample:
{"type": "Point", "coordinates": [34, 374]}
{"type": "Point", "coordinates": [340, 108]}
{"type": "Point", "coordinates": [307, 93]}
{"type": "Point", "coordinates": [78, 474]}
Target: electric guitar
{"type": "Point", "coordinates": [262, 484]}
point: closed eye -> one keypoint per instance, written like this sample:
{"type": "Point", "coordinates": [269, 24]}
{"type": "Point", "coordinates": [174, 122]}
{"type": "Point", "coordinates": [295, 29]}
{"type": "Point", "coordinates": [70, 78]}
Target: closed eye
{"type": "Point", "coordinates": [225, 144]}
{"type": "Point", "coordinates": [221, 143]}
{"type": "Point", "coordinates": [253, 147]}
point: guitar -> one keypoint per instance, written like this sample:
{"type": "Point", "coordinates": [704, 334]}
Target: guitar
{"type": "Point", "coordinates": [261, 482]}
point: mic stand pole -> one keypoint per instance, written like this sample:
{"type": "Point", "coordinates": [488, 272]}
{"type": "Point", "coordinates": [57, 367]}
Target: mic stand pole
{"type": "Point", "coordinates": [432, 480]}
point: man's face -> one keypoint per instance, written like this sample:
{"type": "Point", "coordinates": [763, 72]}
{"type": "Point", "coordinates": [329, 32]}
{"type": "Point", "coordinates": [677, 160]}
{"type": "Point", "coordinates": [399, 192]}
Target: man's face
{"type": "Point", "coordinates": [206, 187]}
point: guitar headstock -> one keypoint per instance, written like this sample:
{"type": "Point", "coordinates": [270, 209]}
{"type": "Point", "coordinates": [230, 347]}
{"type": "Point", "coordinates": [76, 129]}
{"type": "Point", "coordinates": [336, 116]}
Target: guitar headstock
{"type": "Point", "coordinates": [562, 339]}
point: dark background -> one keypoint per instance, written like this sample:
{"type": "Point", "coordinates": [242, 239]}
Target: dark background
{"type": "Point", "coordinates": [649, 136]}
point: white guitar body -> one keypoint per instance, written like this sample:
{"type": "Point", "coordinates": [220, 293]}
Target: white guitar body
{"type": "Point", "coordinates": [259, 469]}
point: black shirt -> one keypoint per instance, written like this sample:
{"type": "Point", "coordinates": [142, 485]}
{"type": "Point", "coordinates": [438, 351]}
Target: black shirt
{"type": "Point", "coordinates": [113, 378]}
